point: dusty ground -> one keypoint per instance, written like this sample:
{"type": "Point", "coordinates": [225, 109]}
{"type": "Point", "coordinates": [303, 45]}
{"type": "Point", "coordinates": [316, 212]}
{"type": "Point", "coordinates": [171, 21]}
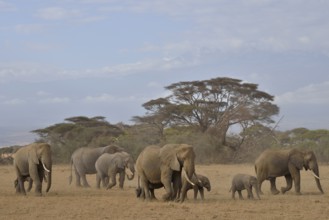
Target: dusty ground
{"type": "Point", "coordinates": [69, 202]}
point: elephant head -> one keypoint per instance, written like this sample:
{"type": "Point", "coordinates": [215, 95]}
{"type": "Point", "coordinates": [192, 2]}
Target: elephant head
{"type": "Point", "coordinates": [129, 163]}
{"type": "Point", "coordinates": [179, 157]}
{"type": "Point", "coordinates": [307, 160]}
{"type": "Point", "coordinates": [41, 155]}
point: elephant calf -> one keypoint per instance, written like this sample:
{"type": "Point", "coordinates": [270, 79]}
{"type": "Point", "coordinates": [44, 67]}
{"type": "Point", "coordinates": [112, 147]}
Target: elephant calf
{"type": "Point", "coordinates": [200, 183]}
{"type": "Point", "coordinates": [244, 181]}
{"type": "Point", "coordinates": [24, 178]}
{"type": "Point", "coordinates": [109, 165]}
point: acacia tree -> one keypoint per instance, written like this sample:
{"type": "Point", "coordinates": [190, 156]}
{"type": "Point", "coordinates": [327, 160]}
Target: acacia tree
{"type": "Point", "coordinates": [79, 131]}
{"type": "Point", "coordinates": [211, 106]}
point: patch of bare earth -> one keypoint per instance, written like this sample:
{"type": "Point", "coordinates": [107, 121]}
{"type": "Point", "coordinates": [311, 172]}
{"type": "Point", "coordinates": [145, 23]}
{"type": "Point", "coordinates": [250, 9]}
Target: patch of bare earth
{"type": "Point", "coordinates": [66, 201]}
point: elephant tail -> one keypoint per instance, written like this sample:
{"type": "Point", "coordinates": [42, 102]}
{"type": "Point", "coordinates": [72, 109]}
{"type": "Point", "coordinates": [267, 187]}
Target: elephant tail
{"type": "Point", "coordinates": [70, 177]}
{"type": "Point", "coordinates": [230, 189]}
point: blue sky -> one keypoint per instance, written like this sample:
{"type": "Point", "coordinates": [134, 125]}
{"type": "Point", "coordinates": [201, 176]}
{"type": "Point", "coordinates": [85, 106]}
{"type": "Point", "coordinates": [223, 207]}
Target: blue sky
{"type": "Point", "coordinates": [67, 58]}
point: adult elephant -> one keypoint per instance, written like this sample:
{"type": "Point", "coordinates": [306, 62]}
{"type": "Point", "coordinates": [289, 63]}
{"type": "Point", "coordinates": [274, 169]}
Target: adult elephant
{"type": "Point", "coordinates": [164, 166]}
{"type": "Point", "coordinates": [33, 161]}
{"type": "Point", "coordinates": [83, 160]}
{"type": "Point", "coordinates": [288, 163]}
{"type": "Point", "coordinates": [109, 165]}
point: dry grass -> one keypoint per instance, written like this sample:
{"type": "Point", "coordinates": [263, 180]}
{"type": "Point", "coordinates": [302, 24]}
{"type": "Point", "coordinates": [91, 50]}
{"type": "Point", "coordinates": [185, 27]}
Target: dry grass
{"type": "Point", "coordinates": [69, 202]}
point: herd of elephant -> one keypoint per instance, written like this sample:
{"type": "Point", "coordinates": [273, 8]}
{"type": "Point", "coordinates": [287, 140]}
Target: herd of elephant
{"type": "Point", "coordinates": [171, 167]}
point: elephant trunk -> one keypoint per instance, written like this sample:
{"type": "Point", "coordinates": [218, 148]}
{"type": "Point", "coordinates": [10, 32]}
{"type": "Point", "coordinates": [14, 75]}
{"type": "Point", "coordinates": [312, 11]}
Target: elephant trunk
{"type": "Point", "coordinates": [189, 171]}
{"type": "Point", "coordinates": [131, 177]}
{"type": "Point", "coordinates": [315, 170]}
{"type": "Point", "coordinates": [132, 170]}
{"type": "Point", "coordinates": [48, 173]}
{"type": "Point", "coordinates": [48, 181]}
{"type": "Point", "coordinates": [257, 190]}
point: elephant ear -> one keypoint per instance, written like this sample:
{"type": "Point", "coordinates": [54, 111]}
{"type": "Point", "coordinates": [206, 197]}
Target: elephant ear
{"type": "Point", "coordinates": [168, 156]}
{"type": "Point", "coordinates": [33, 155]}
{"type": "Point", "coordinates": [119, 163]}
{"type": "Point", "coordinates": [297, 159]}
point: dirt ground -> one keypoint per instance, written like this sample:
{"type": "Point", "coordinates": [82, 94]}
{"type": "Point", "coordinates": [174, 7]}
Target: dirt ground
{"type": "Point", "coordinates": [66, 201]}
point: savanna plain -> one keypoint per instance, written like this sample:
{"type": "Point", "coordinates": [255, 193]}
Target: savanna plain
{"type": "Point", "coordinates": [65, 201]}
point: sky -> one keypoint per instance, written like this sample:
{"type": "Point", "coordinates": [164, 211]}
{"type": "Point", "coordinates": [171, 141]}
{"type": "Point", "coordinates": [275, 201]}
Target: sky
{"type": "Point", "coordinates": [65, 58]}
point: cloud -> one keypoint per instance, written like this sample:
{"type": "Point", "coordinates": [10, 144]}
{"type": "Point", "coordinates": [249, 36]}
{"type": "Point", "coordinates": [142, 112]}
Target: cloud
{"type": "Point", "coordinates": [101, 98]}
{"type": "Point", "coordinates": [15, 101]}
{"type": "Point", "coordinates": [29, 28]}
{"type": "Point", "coordinates": [108, 98]}
{"type": "Point", "coordinates": [42, 93]}
{"type": "Point", "coordinates": [311, 94]}
{"type": "Point", "coordinates": [55, 100]}
{"type": "Point", "coordinates": [5, 6]}
{"type": "Point", "coordinates": [39, 46]}
{"type": "Point", "coordinates": [58, 13]}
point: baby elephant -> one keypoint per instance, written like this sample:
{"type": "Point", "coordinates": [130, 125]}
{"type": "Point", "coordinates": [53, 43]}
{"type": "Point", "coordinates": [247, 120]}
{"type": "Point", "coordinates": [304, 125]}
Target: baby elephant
{"type": "Point", "coordinates": [25, 178]}
{"type": "Point", "coordinates": [244, 181]}
{"type": "Point", "coordinates": [200, 183]}
{"type": "Point", "coordinates": [109, 165]}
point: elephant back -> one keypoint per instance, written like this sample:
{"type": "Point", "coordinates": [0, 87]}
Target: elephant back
{"type": "Point", "coordinates": [148, 161]}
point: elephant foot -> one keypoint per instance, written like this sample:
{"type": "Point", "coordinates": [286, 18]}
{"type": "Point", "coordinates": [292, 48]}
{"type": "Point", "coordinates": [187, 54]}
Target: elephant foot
{"type": "Point", "coordinates": [298, 193]}
{"type": "Point", "coordinates": [283, 190]}
{"type": "Point", "coordinates": [275, 192]}
{"type": "Point", "coordinates": [38, 194]}
{"type": "Point", "coordinates": [166, 197]}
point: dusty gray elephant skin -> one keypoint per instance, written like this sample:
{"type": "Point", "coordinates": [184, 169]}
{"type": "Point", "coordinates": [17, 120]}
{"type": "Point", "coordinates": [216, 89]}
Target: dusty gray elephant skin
{"type": "Point", "coordinates": [140, 192]}
{"type": "Point", "coordinates": [33, 161]}
{"type": "Point", "coordinates": [244, 181]}
{"type": "Point", "coordinates": [201, 182]}
{"type": "Point", "coordinates": [24, 178]}
{"type": "Point", "coordinates": [83, 161]}
{"type": "Point", "coordinates": [165, 165]}
{"type": "Point", "coordinates": [288, 163]}
{"type": "Point", "coordinates": [109, 165]}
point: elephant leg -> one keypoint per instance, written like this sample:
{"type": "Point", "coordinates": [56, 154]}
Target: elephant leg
{"type": "Point", "coordinates": [113, 182]}
{"type": "Point", "coordinates": [145, 188]}
{"type": "Point", "coordinates": [233, 192]}
{"type": "Point", "coordinates": [297, 183]}
{"type": "Point", "coordinates": [105, 181]}
{"type": "Point", "coordinates": [250, 194]}
{"type": "Point", "coordinates": [166, 181]}
{"type": "Point", "coordinates": [195, 189]}
{"type": "Point", "coordinates": [201, 193]}
{"type": "Point", "coordinates": [77, 178]}
{"type": "Point", "coordinates": [98, 181]}
{"type": "Point", "coordinates": [20, 186]}
{"type": "Point", "coordinates": [30, 184]}
{"type": "Point", "coordinates": [289, 184]}
{"type": "Point", "coordinates": [84, 180]}
{"type": "Point", "coordinates": [121, 179]}
{"type": "Point", "coordinates": [295, 174]}
{"type": "Point", "coordinates": [274, 190]}
{"type": "Point", "coordinates": [184, 191]}
{"type": "Point", "coordinates": [35, 173]}
{"type": "Point", "coordinates": [177, 185]}
{"type": "Point", "coordinates": [259, 185]}
{"type": "Point", "coordinates": [240, 194]}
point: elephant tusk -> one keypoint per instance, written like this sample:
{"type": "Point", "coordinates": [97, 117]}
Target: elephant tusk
{"type": "Point", "coordinates": [315, 175]}
{"type": "Point", "coordinates": [44, 167]}
{"type": "Point", "coordinates": [188, 179]}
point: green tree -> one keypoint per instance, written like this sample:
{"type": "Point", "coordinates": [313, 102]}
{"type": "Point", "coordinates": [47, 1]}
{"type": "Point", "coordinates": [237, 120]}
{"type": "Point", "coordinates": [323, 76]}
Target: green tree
{"type": "Point", "coordinates": [210, 106]}
{"type": "Point", "coordinates": [78, 132]}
